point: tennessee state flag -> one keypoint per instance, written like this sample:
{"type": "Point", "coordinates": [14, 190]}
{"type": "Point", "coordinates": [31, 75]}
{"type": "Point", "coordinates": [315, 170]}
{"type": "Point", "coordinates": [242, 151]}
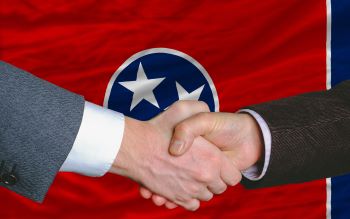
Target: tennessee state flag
{"type": "Point", "coordinates": [229, 54]}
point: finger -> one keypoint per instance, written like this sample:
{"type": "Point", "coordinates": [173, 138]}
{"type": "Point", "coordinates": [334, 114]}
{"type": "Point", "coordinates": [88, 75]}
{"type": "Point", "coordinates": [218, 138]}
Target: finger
{"type": "Point", "coordinates": [193, 205]}
{"type": "Point", "coordinates": [186, 131]}
{"type": "Point", "coordinates": [145, 193]}
{"type": "Point", "coordinates": [158, 200]}
{"type": "Point", "coordinates": [179, 111]}
{"type": "Point", "coordinates": [217, 187]}
{"type": "Point", "coordinates": [229, 173]}
{"type": "Point", "coordinates": [170, 205]}
{"type": "Point", "coordinates": [190, 205]}
{"type": "Point", "coordinates": [205, 195]}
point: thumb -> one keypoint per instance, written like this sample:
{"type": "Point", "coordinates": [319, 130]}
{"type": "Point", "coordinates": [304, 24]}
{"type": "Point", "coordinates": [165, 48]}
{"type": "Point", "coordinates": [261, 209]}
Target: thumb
{"type": "Point", "coordinates": [186, 131]}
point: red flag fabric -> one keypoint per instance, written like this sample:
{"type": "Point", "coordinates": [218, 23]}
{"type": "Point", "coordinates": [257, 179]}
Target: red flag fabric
{"type": "Point", "coordinates": [254, 51]}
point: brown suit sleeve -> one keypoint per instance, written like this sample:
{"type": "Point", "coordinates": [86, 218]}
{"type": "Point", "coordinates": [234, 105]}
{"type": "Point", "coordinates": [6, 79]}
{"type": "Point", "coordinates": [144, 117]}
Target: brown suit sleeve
{"type": "Point", "coordinates": [310, 136]}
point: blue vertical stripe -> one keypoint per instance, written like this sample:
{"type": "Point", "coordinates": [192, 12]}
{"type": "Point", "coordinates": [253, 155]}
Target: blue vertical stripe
{"type": "Point", "coordinates": [340, 67]}
{"type": "Point", "coordinates": [340, 45]}
{"type": "Point", "coordinates": [340, 200]}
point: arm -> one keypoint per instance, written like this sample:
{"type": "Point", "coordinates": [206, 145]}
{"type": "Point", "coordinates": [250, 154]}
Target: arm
{"type": "Point", "coordinates": [309, 137]}
{"type": "Point", "coordinates": [39, 123]}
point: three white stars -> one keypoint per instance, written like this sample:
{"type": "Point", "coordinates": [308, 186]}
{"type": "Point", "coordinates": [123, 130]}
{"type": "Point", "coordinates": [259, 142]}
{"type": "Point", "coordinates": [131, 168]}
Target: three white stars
{"type": "Point", "coordinates": [143, 88]}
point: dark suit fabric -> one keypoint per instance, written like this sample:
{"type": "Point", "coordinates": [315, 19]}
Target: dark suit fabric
{"type": "Point", "coordinates": [310, 136]}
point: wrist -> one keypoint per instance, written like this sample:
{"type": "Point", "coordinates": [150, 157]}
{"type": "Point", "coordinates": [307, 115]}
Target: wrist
{"type": "Point", "coordinates": [258, 169]}
{"type": "Point", "coordinates": [126, 159]}
{"type": "Point", "coordinates": [257, 139]}
{"type": "Point", "coordinates": [247, 146]}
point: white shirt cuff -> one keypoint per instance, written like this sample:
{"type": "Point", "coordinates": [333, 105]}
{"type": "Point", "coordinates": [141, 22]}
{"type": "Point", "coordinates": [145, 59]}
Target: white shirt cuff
{"type": "Point", "coordinates": [253, 173]}
{"type": "Point", "coordinates": [97, 143]}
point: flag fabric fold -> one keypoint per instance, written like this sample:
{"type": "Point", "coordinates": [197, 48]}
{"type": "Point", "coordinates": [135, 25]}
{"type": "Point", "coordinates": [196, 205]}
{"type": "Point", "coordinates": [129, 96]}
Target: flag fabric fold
{"type": "Point", "coordinates": [252, 51]}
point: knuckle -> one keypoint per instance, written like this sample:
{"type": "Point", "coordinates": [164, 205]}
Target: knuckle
{"type": "Point", "coordinates": [204, 106]}
{"type": "Point", "coordinates": [215, 161]}
{"type": "Point", "coordinates": [204, 117]}
{"type": "Point", "coordinates": [181, 107]}
{"type": "Point", "coordinates": [213, 165]}
{"type": "Point", "coordinates": [182, 128]}
{"type": "Point", "coordinates": [206, 176]}
{"type": "Point", "coordinates": [194, 189]}
{"type": "Point", "coordinates": [181, 198]}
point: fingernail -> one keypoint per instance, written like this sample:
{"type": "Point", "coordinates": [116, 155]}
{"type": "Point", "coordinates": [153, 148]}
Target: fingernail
{"type": "Point", "coordinates": [177, 146]}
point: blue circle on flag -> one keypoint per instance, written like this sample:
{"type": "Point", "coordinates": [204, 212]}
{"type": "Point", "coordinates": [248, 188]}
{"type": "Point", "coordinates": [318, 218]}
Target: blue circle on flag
{"type": "Point", "coordinates": [151, 80]}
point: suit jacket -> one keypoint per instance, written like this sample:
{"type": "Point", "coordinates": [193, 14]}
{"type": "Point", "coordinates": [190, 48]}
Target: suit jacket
{"type": "Point", "coordinates": [310, 136]}
{"type": "Point", "coordinates": [38, 125]}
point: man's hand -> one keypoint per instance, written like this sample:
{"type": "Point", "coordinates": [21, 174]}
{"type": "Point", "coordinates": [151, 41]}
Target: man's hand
{"type": "Point", "coordinates": [183, 180]}
{"type": "Point", "coordinates": [236, 134]}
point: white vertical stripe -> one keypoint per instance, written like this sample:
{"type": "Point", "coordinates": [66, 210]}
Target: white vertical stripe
{"type": "Point", "coordinates": [329, 196]}
{"type": "Point", "coordinates": [328, 44]}
{"type": "Point", "coordinates": [328, 86]}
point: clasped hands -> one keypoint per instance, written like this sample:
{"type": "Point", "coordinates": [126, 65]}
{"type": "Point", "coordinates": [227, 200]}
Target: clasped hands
{"type": "Point", "coordinates": [187, 154]}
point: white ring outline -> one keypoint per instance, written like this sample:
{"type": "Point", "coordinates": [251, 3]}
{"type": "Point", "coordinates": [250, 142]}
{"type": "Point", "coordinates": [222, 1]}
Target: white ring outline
{"type": "Point", "coordinates": [167, 51]}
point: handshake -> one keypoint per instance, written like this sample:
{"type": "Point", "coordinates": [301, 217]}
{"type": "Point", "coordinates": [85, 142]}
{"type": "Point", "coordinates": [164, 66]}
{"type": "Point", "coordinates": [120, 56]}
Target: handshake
{"type": "Point", "coordinates": [187, 154]}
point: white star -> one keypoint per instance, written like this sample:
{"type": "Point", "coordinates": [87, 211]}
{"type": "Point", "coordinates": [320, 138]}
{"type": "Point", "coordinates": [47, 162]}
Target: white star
{"type": "Point", "coordinates": [184, 95]}
{"type": "Point", "coordinates": [142, 88]}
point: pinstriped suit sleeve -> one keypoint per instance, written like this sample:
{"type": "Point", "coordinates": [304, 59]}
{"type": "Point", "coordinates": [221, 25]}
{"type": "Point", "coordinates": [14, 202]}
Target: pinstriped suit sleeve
{"type": "Point", "coordinates": [39, 123]}
{"type": "Point", "coordinates": [310, 136]}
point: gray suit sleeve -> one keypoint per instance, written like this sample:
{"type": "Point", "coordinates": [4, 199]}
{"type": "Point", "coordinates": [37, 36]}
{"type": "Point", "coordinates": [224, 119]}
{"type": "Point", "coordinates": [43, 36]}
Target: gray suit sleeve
{"type": "Point", "coordinates": [310, 136]}
{"type": "Point", "coordinates": [38, 125]}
